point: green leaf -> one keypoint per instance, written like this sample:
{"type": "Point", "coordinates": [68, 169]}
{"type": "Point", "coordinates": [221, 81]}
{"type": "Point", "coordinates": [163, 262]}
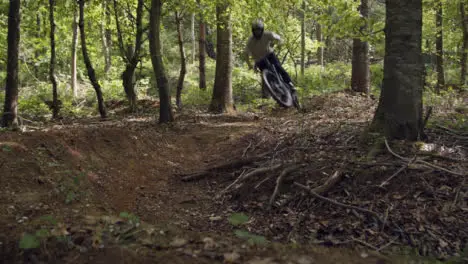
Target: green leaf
{"type": "Point", "coordinates": [42, 233]}
{"type": "Point", "coordinates": [29, 241]}
{"type": "Point", "coordinates": [251, 238]}
{"type": "Point", "coordinates": [237, 219]}
{"type": "Point", "coordinates": [6, 148]}
{"type": "Point", "coordinates": [124, 215]}
{"type": "Point", "coordinates": [50, 219]}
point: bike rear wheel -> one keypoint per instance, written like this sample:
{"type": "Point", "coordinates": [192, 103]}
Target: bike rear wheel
{"type": "Point", "coordinates": [277, 88]}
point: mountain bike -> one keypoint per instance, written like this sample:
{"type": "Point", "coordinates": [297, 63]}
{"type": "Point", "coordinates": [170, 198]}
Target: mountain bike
{"type": "Point", "coordinates": [281, 91]}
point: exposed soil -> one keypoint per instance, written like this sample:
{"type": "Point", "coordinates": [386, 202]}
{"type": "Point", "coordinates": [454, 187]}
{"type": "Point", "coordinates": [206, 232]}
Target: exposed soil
{"type": "Point", "coordinates": [112, 191]}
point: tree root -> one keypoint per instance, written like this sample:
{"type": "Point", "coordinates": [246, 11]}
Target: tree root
{"type": "Point", "coordinates": [255, 172]}
{"type": "Point", "coordinates": [279, 180]}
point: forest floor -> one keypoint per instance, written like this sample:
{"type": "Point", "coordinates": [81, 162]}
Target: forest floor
{"type": "Point", "coordinates": [234, 188]}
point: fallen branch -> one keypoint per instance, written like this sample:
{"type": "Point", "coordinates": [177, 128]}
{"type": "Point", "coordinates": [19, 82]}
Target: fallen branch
{"type": "Point", "coordinates": [257, 171]}
{"type": "Point", "coordinates": [279, 180]}
{"type": "Point", "coordinates": [224, 166]}
{"type": "Point", "coordinates": [316, 195]}
{"type": "Point", "coordinates": [397, 172]}
{"type": "Point", "coordinates": [422, 162]}
{"type": "Point", "coordinates": [329, 183]}
{"type": "Point", "coordinates": [456, 132]}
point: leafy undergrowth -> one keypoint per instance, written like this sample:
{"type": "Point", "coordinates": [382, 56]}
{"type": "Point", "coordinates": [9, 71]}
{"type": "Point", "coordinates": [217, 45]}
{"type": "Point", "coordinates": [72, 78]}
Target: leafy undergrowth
{"type": "Point", "coordinates": [85, 191]}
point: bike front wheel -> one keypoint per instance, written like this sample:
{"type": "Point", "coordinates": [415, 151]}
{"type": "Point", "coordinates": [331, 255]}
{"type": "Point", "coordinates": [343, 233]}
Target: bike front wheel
{"type": "Point", "coordinates": [277, 88]}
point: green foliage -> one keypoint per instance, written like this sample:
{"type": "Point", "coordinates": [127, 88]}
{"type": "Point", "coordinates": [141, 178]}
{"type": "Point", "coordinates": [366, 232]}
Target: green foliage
{"type": "Point", "coordinates": [133, 219]}
{"type": "Point", "coordinates": [334, 77]}
{"type": "Point", "coordinates": [251, 238]}
{"type": "Point", "coordinates": [29, 241]}
{"type": "Point", "coordinates": [237, 219]}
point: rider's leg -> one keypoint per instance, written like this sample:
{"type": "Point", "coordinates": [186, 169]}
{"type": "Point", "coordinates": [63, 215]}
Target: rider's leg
{"type": "Point", "coordinates": [274, 60]}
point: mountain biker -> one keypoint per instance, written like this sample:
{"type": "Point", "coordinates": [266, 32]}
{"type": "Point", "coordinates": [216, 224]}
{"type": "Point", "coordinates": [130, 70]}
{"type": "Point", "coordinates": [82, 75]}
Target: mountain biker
{"type": "Point", "coordinates": [259, 46]}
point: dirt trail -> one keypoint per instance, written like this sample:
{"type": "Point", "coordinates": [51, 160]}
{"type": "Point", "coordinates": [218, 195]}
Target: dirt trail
{"type": "Point", "coordinates": [79, 174]}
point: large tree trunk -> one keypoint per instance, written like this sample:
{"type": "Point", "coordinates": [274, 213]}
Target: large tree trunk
{"type": "Point", "coordinates": [222, 100]}
{"type": "Point", "coordinates": [201, 53]}
{"type": "Point", "coordinates": [360, 76]}
{"type": "Point", "coordinates": [165, 109]}
{"type": "Point", "coordinates": [320, 51]}
{"type": "Point", "coordinates": [464, 54]}
{"type": "Point", "coordinates": [440, 47]}
{"type": "Point", "coordinates": [399, 113]}
{"type": "Point", "coordinates": [53, 80]}
{"type": "Point", "coordinates": [105, 37]}
{"type": "Point", "coordinates": [89, 66]}
{"type": "Point", "coordinates": [10, 109]}
{"type": "Point", "coordinates": [303, 37]}
{"type": "Point", "coordinates": [74, 84]}
{"type": "Point", "coordinates": [183, 67]}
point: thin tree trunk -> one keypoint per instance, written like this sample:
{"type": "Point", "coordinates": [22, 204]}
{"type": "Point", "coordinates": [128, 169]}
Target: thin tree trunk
{"type": "Point", "coordinates": [183, 67]}
{"type": "Point", "coordinates": [303, 37]}
{"type": "Point", "coordinates": [464, 54]}
{"type": "Point", "coordinates": [131, 55]}
{"type": "Point", "coordinates": [37, 51]}
{"type": "Point", "coordinates": [440, 47]}
{"type": "Point", "coordinates": [74, 84]}
{"type": "Point", "coordinates": [201, 53]}
{"type": "Point", "coordinates": [399, 113]}
{"type": "Point", "coordinates": [10, 108]}
{"type": "Point", "coordinates": [53, 80]}
{"type": "Point", "coordinates": [104, 36]}
{"type": "Point", "coordinates": [320, 51]}
{"type": "Point", "coordinates": [360, 76]}
{"type": "Point", "coordinates": [222, 100]}
{"type": "Point", "coordinates": [165, 109]}
{"type": "Point", "coordinates": [89, 66]}
{"type": "Point", "coordinates": [192, 35]}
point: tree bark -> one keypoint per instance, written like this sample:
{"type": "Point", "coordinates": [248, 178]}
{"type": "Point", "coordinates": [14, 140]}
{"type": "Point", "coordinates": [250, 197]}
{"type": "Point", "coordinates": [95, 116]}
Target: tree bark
{"type": "Point", "coordinates": [303, 37]}
{"type": "Point", "coordinates": [183, 67]}
{"type": "Point", "coordinates": [440, 47]}
{"type": "Point", "coordinates": [74, 84]}
{"type": "Point", "coordinates": [222, 100]}
{"type": "Point", "coordinates": [104, 37]}
{"type": "Point", "coordinates": [131, 55]}
{"type": "Point", "coordinates": [399, 113]}
{"type": "Point", "coordinates": [320, 51]}
{"type": "Point", "coordinates": [360, 74]}
{"type": "Point", "coordinates": [464, 54]}
{"type": "Point", "coordinates": [37, 51]}
{"type": "Point", "coordinates": [89, 66]}
{"type": "Point", "coordinates": [192, 35]}
{"type": "Point", "coordinates": [165, 109]}
{"type": "Point", "coordinates": [201, 53]}
{"type": "Point", "coordinates": [10, 108]}
{"type": "Point", "coordinates": [53, 80]}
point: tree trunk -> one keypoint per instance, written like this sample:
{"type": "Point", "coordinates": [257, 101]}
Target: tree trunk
{"type": "Point", "coordinates": [104, 37]}
{"type": "Point", "coordinates": [165, 109]}
{"type": "Point", "coordinates": [201, 54]}
{"type": "Point", "coordinates": [183, 68]}
{"type": "Point", "coordinates": [399, 113]}
{"type": "Point", "coordinates": [464, 54]}
{"type": "Point", "coordinates": [303, 37]}
{"type": "Point", "coordinates": [222, 100]}
{"type": "Point", "coordinates": [360, 76]}
{"type": "Point", "coordinates": [320, 51]}
{"type": "Point", "coordinates": [53, 80]}
{"type": "Point", "coordinates": [440, 47]}
{"type": "Point", "coordinates": [89, 66]}
{"type": "Point", "coordinates": [131, 55]}
{"type": "Point", "coordinates": [192, 35]}
{"type": "Point", "coordinates": [10, 109]}
{"type": "Point", "coordinates": [37, 51]}
{"type": "Point", "coordinates": [74, 84]}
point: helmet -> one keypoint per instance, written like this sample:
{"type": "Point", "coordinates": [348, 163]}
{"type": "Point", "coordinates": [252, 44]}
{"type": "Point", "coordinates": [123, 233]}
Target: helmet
{"type": "Point", "coordinates": [257, 28]}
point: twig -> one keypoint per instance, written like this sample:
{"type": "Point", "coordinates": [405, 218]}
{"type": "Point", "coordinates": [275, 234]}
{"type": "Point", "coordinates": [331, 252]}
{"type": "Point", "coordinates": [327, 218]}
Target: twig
{"type": "Point", "coordinates": [263, 181]}
{"type": "Point", "coordinates": [397, 172]}
{"type": "Point", "coordinates": [456, 195]}
{"type": "Point", "coordinates": [386, 245]}
{"type": "Point", "coordinates": [279, 180]}
{"type": "Point", "coordinates": [252, 173]}
{"type": "Point", "coordinates": [365, 244]}
{"type": "Point", "coordinates": [459, 133]}
{"type": "Point", "coordinates": [421, 161]}
{"type": "Point", "coordinates": [246, 149]}
{"type": "Point", "coordinates": [310, 191]}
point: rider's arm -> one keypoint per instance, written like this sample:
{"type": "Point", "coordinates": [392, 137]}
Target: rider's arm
{"type": "Point", "coordinates": [276, 38]}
